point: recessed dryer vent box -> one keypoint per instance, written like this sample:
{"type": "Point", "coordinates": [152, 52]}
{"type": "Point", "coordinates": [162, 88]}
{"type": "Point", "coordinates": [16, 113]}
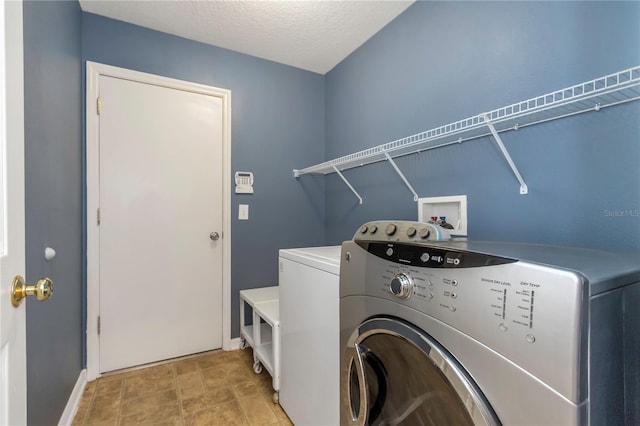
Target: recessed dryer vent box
{"type": "Point", "coordinates": [453, 208]}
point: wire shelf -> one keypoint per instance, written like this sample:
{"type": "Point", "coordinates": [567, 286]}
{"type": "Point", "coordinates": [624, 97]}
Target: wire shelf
{"type": "Point", "coordinates": [610, 90]}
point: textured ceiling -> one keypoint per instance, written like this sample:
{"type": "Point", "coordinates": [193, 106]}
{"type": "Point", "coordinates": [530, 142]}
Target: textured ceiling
{"type": "Point", "coordinates": [312, 35]}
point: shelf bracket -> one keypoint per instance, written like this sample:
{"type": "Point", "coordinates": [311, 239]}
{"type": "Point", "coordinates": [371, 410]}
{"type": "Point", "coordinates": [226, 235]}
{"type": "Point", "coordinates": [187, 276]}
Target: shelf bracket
{"type": "Point", "coordinates": [404, 179]}
{"type": "Point", "coordinates": [348, 184]}
{"type": "Point", "coordinates": [523, 186]}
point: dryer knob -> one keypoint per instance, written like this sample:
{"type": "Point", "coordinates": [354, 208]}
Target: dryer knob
{"type": "Point", "coordinates": [401, 286]}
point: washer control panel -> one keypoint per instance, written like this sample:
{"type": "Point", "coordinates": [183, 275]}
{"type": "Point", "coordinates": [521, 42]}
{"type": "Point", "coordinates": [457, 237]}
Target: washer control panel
{"type": "Point", "coordinates": [501, 293]}
{"type": "Point", "coordinates": [528, 312]}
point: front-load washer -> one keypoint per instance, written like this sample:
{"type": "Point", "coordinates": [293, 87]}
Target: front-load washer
{"type": "Point", "coordinates": [309, 334]}
{"type": "Point", "coordinates": [463, 332]}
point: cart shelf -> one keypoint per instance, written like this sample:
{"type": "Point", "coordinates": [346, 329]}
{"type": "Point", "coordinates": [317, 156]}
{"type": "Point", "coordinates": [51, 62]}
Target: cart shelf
{"type": "Point", "coordinates": [264, 334]}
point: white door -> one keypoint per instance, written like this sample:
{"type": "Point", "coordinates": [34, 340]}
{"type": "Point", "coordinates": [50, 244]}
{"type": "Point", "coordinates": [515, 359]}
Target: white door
{"type": "Point", "coordinates": [160, 223]}
{"type": "Point", "coordinates": [13, 373]}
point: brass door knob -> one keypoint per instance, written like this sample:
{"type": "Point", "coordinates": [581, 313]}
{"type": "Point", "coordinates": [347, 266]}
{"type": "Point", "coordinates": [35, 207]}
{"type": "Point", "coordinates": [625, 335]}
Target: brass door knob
{"type": "Point", "coordinates": [19, 290]}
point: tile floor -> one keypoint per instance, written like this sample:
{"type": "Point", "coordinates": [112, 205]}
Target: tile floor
{"type": "Point", "coordinates": [214, 388]}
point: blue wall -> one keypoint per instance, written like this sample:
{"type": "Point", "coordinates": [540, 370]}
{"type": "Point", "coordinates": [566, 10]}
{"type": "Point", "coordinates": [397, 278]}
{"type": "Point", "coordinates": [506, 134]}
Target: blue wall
{"type": "Point", "coordinates": [277, 125]}
{"type": "Point", "coordinates": [439, 62]}
{"type": "Point", "coordinates": [53, 123]}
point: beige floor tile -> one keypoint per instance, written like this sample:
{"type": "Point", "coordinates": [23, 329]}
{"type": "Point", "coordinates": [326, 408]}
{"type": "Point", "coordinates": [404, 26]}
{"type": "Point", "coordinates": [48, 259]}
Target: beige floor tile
{"type": "Point", "coordinates": [226, 375]}
{"type": "Point", "coordinates": [190, 385]}
{"type": "Point", "coordinates": [248, 389]}
{"type": "Point", "coordinates": [208, 399]}
{"type": "Point", "coordinates": [159, 371]}
{"type": "Point", "coordinates": [186, 366]}
{"type": "Point", "coordinates": [103, 409]}
{"type": "Point", "coordinates": [227, 414]}
{"type": "Point", "coordinates": [173, 421]}
{"type": "Point", "coordinates": [89, 388]}
{"type": "Point", "coordinates": [152, 415]}
{"type": "Point", "coordinates": [242, 373]}
{"type": "Point", "coordinates": [110, 422]}
{"type": "Point", "coordinates": [108, 386]}
{"type": "Point", "coordinates": [85, 404]}
{"type": "Point", "coordinates": [138, 385]}
{"type": "Point", "coordinates": [245, 355]}
{"type": "Point", "coordinates": [258, 410]}
{"type": "Point", "coordinates": [264, 382]}
{"type": "Point", "coordinates": [149, 402]}
{"type": "Point", "coordinates": [80, 417]}
{"type": "Point", "coordinates": [279, 412]}
{"type": "Point", "coordinates": [217, 358]}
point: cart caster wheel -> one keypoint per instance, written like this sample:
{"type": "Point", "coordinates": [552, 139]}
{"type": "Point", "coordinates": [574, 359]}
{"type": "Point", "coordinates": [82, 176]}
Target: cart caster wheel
{"type": "Point", "coordinates": [257, 367]}
{"type": "Point", "coordinates": [243, 343]}
{"type": "Point", "coordinates": [275, 397]}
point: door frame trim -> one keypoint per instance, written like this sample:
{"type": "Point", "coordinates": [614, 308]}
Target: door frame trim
{"type": "Point", "coordinates": [93, 72]}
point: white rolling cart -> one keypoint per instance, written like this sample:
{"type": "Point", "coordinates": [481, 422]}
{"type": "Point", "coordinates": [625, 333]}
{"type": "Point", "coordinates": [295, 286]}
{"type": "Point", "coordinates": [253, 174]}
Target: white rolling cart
{"type": "Point", "coordinates": [263, 337]}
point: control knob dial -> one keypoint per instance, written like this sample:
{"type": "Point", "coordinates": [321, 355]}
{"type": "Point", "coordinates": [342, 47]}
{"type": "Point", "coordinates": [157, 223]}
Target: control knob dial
{"type": "Point", "coordinates": [402, 286]}
{"type": "Point", "coordinates": [390, 229]}
{"type": "Point", "coordinates": [424, 233]}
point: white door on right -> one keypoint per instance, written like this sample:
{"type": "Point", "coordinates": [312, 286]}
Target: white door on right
{"type": "Point", "coordinates": [160, 223]}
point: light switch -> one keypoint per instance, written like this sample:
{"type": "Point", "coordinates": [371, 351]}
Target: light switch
{"type": "Point", "coordinates": [243, 212]}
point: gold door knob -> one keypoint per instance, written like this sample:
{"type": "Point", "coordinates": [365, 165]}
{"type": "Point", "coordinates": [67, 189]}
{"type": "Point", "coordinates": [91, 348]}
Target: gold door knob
{"type": "Point", "coordinates": [19, 290]}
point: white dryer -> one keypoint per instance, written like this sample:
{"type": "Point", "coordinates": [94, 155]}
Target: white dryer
{"type": "Point", "coordinates": [482, 333]}
{"type": "Point", "coordinates": [309, 330]}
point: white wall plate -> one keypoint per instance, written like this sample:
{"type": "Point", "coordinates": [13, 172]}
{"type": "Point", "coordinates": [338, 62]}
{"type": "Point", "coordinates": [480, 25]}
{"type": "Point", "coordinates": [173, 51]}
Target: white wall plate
{"type": "Point", "coordinates": [453, 208]}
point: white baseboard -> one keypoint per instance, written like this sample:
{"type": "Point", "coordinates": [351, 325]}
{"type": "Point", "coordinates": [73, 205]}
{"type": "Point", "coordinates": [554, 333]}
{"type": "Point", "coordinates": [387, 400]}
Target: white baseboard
{"type": "Point", "coordinates": [234, 344]}
{"type": "Point", "coordinates": [74, 400]}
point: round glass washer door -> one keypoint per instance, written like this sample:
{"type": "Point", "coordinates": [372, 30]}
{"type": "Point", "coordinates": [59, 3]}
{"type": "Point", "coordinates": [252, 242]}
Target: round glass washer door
{"type": "Point", "coordinates": [395, 374]}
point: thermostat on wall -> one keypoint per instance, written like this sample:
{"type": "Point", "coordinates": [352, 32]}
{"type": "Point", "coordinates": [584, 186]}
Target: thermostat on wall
{"type": "Point", "coordinates": [244, 183]}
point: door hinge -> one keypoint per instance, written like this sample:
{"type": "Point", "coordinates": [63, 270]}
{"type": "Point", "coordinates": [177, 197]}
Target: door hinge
{"type": "Point", "coordinates": [98, 326]}
{"type": "Point", "coordinates": [99, 105]}
{"type": "Point", "coordinates": [98, 216]}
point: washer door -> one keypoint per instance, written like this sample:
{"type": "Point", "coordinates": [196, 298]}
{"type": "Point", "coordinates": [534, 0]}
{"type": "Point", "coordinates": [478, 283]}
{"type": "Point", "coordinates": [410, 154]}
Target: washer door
{"type": "Point", "coordinates": [393, 373]}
